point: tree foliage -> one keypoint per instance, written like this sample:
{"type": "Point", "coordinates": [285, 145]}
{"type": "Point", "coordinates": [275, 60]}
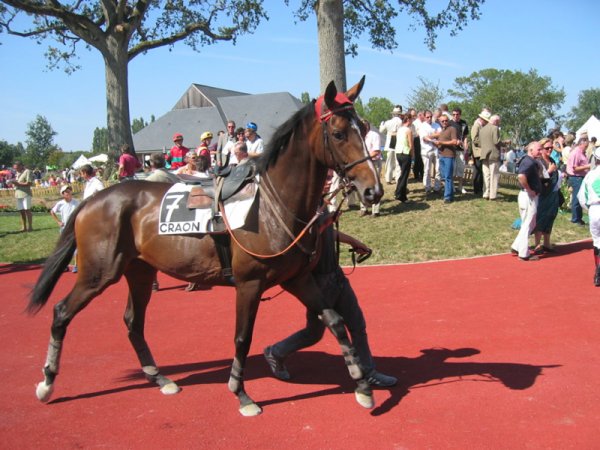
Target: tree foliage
{"type": "Point", "coordinates": [120, 31]}
{"type": "Point", "coordinates": [376, 19]}
{"type": "Point", "coordinates": [40, 142]}
{"type": "Point", "coordinates": [524, 101]}
{"type": "Point", "coordinates": [100, 141]}
{"type": "Point", "coordinates": [588, 103]}
{"type": "Point", "coordinates": [377, 110]}
{"type": "Point", "coordinates": [426, 96]}
{"type": "Point", "coordinates": [340, 25]}
{"type": "Point", "coordinates": [138, 124]}
{"type": "Point", "coordinates": [9, 153]}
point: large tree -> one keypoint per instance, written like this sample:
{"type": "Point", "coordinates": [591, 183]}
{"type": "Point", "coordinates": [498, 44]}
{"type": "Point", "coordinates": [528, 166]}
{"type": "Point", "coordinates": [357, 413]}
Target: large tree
{"type": "Point", "coordinates": [341, 23]}
{"type": "Point", "coordinates": [40, 142]}
{"type": "Point", "coordinates": [588, 104]}
{"type": "Point", "coordinates": [526, 102]}
{"type": "Point", "coordinates": [121, 30]}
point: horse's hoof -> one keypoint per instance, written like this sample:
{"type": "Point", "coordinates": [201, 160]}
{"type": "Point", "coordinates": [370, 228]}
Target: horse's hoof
{"type": "Point", "coordinates": [250, 410]}
{"type": "Point", "coordinates": [170, 389]}
{"type": "Point", "coordinates": [364, 400]}
{"type": "Point", "coordinates": [44, 391]}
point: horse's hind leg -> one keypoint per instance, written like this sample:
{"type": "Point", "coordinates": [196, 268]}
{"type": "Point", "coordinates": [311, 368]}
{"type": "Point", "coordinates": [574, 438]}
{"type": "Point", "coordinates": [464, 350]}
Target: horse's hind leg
{"type": "Point", "coordinates": [80, 296]}
{"type": "Point", "coordinates": [139, 277]}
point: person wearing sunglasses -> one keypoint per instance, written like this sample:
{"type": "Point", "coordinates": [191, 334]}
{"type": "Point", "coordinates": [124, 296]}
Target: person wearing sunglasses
{"type": "Point", "coordinates": [549, 199]}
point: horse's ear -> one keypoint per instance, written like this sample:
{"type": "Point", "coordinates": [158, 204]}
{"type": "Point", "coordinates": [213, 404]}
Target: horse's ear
{"type": "Point", "coordinates": [354, 91]}
{"type": "Point", "coordinates": [330, 93]}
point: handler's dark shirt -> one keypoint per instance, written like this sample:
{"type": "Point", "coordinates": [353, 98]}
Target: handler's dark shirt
{"type": "Point", "coordinates": [531, 169]}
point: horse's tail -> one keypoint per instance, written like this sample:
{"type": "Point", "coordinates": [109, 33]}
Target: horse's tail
{"type": "Point", "coordinates": [54, 266]}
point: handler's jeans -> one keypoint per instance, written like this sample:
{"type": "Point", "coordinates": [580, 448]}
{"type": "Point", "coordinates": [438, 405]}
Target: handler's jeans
{"type": "Point", "coordinates": [576, 210]}
{"type": "Point", "coordinates": [447, 172]}
{"type": "Point", "coordinates": [336, 287]}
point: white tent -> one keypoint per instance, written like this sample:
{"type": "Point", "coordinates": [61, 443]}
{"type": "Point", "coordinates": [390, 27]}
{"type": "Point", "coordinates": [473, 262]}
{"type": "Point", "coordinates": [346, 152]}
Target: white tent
{"type": "Point", "coordinates": [101, 158]}
{"type": "Point", "coordinates": [81, 161]}
{"type": "Point", "coordinates": [591, 127]}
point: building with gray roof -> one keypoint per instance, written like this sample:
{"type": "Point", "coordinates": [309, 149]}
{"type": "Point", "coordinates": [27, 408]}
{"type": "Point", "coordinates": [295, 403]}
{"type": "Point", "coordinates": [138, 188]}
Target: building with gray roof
{"type": "Point", "coordinates": [205, 108]}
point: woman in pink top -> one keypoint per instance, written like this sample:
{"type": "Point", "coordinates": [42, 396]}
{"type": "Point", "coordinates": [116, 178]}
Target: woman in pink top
{"type": "Point", "coordinates": [128, 164]}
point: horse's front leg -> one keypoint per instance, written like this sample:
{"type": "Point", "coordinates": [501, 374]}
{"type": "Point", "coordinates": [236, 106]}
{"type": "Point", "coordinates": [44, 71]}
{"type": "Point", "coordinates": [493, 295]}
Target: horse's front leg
{"type": "Point", "coordinates": [306, 290]}
{"type": "Point", "coordinates": [247, 301]}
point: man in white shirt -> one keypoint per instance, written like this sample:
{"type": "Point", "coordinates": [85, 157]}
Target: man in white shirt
{"type": "Point", "coordinates": [373, 143]}
{"type": "Point", "coordinates": [92, 183]}
{"type": "Point", "coordinates": [427, 132]}
{"type": "Point", "coordinates": [390, 127]}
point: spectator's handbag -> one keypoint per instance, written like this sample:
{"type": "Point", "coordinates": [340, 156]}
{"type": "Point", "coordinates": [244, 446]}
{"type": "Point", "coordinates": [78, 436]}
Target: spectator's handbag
{"type": "Point", "coordinates": [393, 142]}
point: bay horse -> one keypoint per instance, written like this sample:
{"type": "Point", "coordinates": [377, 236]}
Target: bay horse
{"type": "Point", "coordinates": [116, 233]}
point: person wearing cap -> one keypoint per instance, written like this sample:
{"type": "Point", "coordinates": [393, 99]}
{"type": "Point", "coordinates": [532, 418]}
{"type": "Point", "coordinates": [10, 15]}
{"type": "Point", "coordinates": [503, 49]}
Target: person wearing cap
{"type": "Point", "coordinates": [577, 168]}
{"type": "Point", "coordinates": [589, 197]}
{"type": "Point", "coordinates": [175, 157]}
{"type": "Point", "coordinates": [390, 128]}
{"type": "Point", "coordinates": [254, 142]}
{"type": "Point", "coordinates": [22, 184]}
{"type": "Point", "coordinates": [481, 121]}
{"type": "Point", "coordinates": [63, 209]}
{"type": "Point", "coordinates": [203, 150]}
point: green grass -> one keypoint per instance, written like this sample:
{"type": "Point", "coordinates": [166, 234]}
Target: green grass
{"type": "Point", "coordinates": [424, 230]}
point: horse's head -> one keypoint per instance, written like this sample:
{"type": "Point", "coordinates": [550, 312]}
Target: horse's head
{"type": "Point", "coordinates": [344, 149]}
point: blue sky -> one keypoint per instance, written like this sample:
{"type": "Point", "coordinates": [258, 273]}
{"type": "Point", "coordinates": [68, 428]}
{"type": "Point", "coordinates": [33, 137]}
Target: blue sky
{"type": "Point", "coordinates": [558, 39]}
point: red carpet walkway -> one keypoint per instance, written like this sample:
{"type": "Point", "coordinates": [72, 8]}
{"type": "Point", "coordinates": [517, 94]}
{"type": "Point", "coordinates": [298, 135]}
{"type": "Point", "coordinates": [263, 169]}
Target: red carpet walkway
{"type": "Point", "coordinates": [492, 353]}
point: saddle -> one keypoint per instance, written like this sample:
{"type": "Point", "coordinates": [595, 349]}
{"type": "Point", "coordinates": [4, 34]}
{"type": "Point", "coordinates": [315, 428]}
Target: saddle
{"type": "Point", "coordinates": [206, 193]}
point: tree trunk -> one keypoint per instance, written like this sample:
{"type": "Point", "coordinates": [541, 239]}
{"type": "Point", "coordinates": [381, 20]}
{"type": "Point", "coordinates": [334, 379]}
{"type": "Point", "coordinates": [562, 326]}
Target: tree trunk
{"type": "Point", "coordinates": [116, 62]}
{"type": "Point", "coordinates": [332, 58]}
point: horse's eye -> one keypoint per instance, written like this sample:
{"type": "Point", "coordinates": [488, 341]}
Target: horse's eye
{"type": "Point", "coordinates": [338, 135]}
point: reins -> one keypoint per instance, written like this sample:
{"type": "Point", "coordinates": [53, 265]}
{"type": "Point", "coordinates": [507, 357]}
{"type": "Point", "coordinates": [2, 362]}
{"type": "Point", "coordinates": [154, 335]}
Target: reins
{"type": "Point", "coordinates": [318, 214]}
{"type": "Point", "coordinates": [271, 197]}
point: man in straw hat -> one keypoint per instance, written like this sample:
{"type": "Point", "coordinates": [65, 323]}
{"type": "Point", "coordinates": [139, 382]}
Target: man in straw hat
{"type": "Point", "coordinates": [481, 121]}
{"type": "Point", "coordinates": [589, 198]}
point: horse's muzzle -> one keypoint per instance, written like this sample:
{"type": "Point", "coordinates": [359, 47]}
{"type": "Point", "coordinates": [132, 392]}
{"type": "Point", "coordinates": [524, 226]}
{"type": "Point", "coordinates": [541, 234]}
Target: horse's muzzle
{"type": "Point", "coordinates": [372, 195]}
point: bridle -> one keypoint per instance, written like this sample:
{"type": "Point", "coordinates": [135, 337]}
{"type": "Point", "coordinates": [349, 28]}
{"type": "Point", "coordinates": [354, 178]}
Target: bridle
{"type": "Point", "coordinates": [342, 106]}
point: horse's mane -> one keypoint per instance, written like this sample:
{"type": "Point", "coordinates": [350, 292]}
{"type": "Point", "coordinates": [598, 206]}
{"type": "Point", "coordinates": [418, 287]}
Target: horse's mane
{"type": "Point", "coordinates": [280, 140]}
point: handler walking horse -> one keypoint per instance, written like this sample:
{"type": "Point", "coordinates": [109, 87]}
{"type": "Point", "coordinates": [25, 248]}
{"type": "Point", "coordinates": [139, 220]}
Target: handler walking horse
{"type": "Point", "coordinates": [116, 234]}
